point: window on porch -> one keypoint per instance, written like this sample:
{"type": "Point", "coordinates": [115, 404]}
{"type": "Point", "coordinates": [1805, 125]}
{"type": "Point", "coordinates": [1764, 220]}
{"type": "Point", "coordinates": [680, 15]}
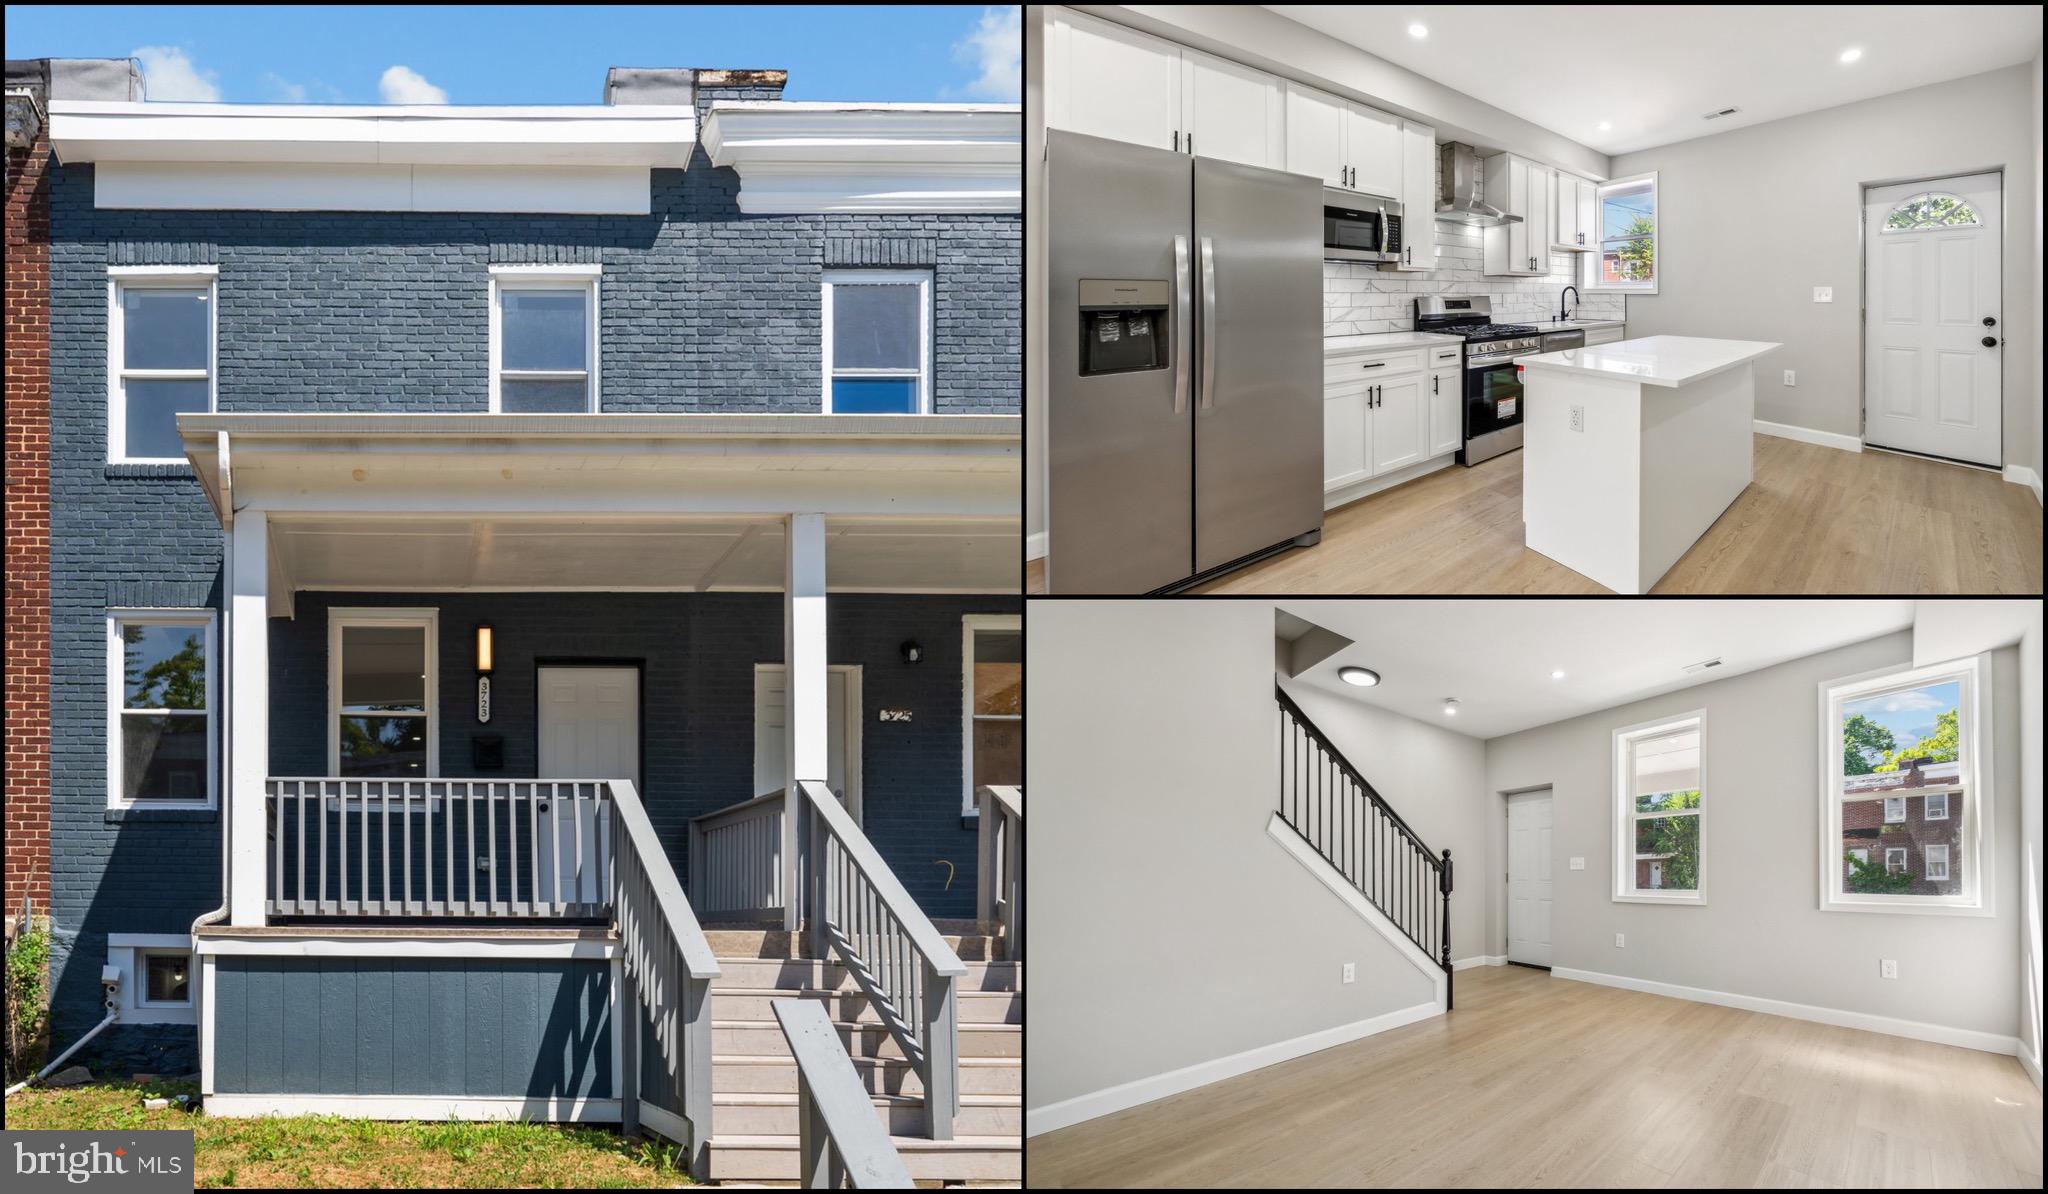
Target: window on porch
{"type": "Point", "coordinates": [381, 678]}
{"type": "Point", "coordinates": [995, 703]}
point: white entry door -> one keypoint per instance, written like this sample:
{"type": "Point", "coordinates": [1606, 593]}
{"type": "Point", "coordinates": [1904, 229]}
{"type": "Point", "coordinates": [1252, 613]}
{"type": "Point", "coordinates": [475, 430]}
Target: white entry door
{"type": "Point", "coordinates": [589, 729]}
{"type": "Point", "coordinates": [1529, 878]}
{"type": "Point", "coordinates": [1932, 270]}
{"type": "Point", "coordinates": [842, 730]}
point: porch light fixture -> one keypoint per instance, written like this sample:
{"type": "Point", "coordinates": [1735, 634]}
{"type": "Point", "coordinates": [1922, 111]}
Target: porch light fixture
{"type": "Point", "coordinates": [1364, 677]}
{"type": "Point", "coordinates": [912, 651]}
{"type": "Point", "coordinates": [484, 645]}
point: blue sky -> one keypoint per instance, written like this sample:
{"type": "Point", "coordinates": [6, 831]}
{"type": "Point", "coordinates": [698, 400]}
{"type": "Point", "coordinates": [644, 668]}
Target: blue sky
{"type": "Point", "coordinates": [1908, 715]}
{"type": "Point", "coordinates": [537, 54]}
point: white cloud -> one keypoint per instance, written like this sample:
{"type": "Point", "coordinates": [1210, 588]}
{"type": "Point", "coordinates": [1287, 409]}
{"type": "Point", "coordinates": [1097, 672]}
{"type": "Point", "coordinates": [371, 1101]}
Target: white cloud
{"type": "Point", "coordinates": [996, 49]}
{"type": "Point", "coordinates": [1916, 700]}
{"type": "Point", "coordinates": [404, 85]}
{"type": "Point", "coordinates": [284, 90]}
{"type": "Point", "coordinates": [168, 74]}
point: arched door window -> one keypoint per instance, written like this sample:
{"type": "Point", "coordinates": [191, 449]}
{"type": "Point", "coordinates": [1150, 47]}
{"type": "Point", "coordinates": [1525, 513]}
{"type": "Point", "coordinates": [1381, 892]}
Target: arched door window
{"type": "Point", "coordinates": [1930, 210]}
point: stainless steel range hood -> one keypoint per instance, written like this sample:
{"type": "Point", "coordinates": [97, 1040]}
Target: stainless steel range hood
{"type": "Point", "coordinates": [1457, 199]}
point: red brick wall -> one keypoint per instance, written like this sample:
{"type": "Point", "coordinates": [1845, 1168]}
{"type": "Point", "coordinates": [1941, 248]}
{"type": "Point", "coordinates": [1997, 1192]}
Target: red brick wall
{"type": "Point", "coordinates": [25, 593]}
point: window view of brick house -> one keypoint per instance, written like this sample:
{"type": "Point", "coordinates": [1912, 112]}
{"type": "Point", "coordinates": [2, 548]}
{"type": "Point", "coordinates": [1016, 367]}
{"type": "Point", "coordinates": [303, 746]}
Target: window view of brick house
{"type": "Point", "coordinates": [1900, 829]}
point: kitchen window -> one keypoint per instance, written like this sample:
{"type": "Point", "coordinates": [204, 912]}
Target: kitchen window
{"type": "Point", "coordinates": [993, 687]}
{"type": "Point", "coordinates": [160, 358]}
{"type": "Point", "coordinates": [1659, 776]}
{"type": "Point", "coordinates": [1625, 215]}
{"type": "Point", "coordinates": [382, 686]}
{"type": "Point", "coordinates": [544, 339]}
{"type": "Point", "coordinates": [1897, 742]}
{"type": "Point", "coordinates": [161, 744]}
{"type": "Point", "coordinates": [878, 342]}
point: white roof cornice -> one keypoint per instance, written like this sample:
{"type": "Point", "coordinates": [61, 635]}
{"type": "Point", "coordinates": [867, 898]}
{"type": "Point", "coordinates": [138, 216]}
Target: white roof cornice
{"type": "Point", "coordinates": [813, 157]}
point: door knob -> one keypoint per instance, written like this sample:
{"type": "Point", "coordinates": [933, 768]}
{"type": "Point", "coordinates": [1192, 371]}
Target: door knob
{"type": "Point", "coordinates": [1990, 322]}
{"type": "Point", "coordinates": [1990, 342]}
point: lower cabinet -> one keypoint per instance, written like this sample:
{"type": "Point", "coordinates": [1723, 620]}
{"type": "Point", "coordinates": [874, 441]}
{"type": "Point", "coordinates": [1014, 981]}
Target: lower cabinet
{"type": "Point", "coordinates": [1400, 423]}
{"type": "Point", "coordinates": [1384, 413]}
{"type": "Point", "coordinates": [1347, 434]}
{"type": "Point", "coordinates": [1606, 335]}
{"type": "Point", "coordinates": [1446, 409]}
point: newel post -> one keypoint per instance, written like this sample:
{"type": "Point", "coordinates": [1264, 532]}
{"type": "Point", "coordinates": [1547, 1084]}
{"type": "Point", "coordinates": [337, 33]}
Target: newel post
{"type": "Point", "coordinates": [1444, 922]}
{"type": "Point", "coordinates": [941, 1054]}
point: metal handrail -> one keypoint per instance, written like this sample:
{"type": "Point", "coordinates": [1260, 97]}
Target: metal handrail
{"type": "Point", "coordinates": [840, 1139]}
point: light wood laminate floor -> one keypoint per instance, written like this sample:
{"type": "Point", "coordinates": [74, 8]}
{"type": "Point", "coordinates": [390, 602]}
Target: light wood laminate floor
{"type": "Point", "coordinates": [1814, 520]}
{"type": "Point", "coordinates": [1535, 1081]}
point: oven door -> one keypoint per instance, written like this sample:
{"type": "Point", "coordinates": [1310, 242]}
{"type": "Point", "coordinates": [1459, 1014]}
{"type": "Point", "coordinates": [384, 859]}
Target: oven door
{"type": "Point", "coordinates": [1354, 234]}
{"type": "Point", "coordinates": [1493, 410]}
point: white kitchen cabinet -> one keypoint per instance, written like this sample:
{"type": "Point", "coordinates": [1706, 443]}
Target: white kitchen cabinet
{"type": "Point", "coordinates": [1518, 187]}
{"type": "Point", "coordinates": [1606, 335]}
{"type": "Point", "coordinates": [1108, 81]}
{"type": "Point", "coordinates": [1418, 197]}
{"type": "Point", "coordinates": [1347, 432]}
{"type": "Point", "coordinates": [1446, 399]}
{"type": "Point", "coordinates": [1572, 215]}
{"type": "Point", "coordinates": [1385, 411]}
{"type": "Point", "coordinates": [1315, 135]}
{"type": "Point", "coordinates": [1232, 112]}
{"type": "Point", "coordinates": [1373, 141]}
{"type": "Point", "coordinates": [1400, 422]}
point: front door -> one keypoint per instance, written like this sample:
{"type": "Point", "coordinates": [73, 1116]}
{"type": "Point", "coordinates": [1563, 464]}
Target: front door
{"type": "Point", "coordinates": [1934, 330]}
{"type": "Point", "coordinates": [1529, 878]}
{"type": "Point", "coordinates": [842, 729]}
{"type": "Point", "coordinates": [589, 729]}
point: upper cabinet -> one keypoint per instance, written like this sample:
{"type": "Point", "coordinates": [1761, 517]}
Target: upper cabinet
{"type": "Point", "coordinates": [1572, 212]}
{"type": "Point", "coordinates": [1347, 145]}
{"type": "Point", "coordinates": [1522, 188]}
{"type": "Point", "coordinates": [1418, 197]}
{"type": "Point", "coordinates": [1108, 81]}
{"type": "Point", "coordinates": [1375, 149]}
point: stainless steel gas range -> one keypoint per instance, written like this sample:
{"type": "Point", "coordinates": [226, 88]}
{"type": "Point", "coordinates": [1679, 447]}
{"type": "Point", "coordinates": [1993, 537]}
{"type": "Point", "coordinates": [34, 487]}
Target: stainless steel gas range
{"type": "Point", "coordinates": [1493, 386]}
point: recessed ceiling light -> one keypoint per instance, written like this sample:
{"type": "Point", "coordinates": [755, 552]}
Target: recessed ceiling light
{"type": "Point", "coordinates": [1364, 677]}
{"type": "Point", "coordinates": [1557, 674]}
{"type": "Point", "coordinates": [1851, 54]}
{"type": "Point", "coordinates": [1450, 707]}
{"type": "Point", "coordinates": [1418, 30]}
{"type": "Point", "coordinates": [1606, 127]}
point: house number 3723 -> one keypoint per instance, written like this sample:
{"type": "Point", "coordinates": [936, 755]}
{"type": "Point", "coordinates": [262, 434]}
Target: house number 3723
{"type": "Point", "coordinates": [483, 698]}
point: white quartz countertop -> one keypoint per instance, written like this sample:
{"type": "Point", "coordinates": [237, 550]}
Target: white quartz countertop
{"type": "Point", "coordinates": [1554, 325]}
{"type": "Point", "coordinates": [1652, 360]}
{"type": "Point", "coordinates": [1340, 344]}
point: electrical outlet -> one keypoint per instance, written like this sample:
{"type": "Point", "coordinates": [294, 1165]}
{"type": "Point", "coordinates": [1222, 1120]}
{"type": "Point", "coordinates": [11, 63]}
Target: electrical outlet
{"type": "Point", "coordinates": [1791, 378]}
{"type": "Point", "coordinates": [1888, 968]}
{"type": "Point", "coordinates": [1823, 294]}
{"type": "Point", "coordinates": [1620, 942]}
{"type": "Point", "coordinates": [1578, 864]}
{"type": "Point", "coordinates": [1578, 418]}
{"type": "Point", "coordinates": [1350, 972]}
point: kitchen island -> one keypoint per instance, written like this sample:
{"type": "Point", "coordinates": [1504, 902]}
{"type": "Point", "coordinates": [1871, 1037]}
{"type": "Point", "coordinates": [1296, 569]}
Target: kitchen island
{"type": "Point", "coordinates": [1631, 450]}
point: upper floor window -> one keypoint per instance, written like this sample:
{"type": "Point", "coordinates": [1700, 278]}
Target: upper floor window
{"type": "Point", "coordinates": [160, 749]}
{"type": "Point", "coordinates": [1659, 775]}
{"type": "Point", "coordinates": [878, 342]}
{"type": "Point", "coordinates": [1904, 802]}
{"type": "Point", "coordinates": [544, 346]}
{"type": "Point", "coordinates": [160, 357]}
{"type": "Point", "coordinates": [1626, 210]}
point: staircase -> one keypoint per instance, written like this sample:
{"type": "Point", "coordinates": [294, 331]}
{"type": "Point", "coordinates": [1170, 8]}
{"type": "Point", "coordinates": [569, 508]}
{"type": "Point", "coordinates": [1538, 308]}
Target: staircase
{"type": "Point", "coordinates": [753, 1077]}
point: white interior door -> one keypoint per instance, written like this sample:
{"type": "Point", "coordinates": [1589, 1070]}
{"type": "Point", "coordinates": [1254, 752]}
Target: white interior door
{"type": "Point", "coordinates": [1930, 382]}
{"type": "Point", "coordinates": [589, 729]}
{"type": "Point", "coordinates": [842, 718]}
{"type": "Point", "coordinates": [1529, 878]}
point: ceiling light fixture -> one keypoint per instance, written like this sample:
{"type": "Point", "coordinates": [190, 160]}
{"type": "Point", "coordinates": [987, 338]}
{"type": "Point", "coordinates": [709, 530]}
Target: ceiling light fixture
{"type": "Point", "coordinates": [1364, 677]}
{"type": "Point", "coordinates": [1557, 674]}
{"type": "Point", "coordinates": [1450, 707]}
{"type": "Point", "coordinates": [1418, 31]}
{"type": "Point", "coordinates": [1850, 55]}
{"type": "Point", "coordinates": [1606, 126]}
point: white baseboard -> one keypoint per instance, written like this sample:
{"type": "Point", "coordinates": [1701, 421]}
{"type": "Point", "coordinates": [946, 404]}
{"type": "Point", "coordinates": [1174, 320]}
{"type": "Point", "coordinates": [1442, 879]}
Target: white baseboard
{"type": "Point", "coordinates": [2020, 474]}
{"type": "Point", "coordinates": [1479, 960]}
{"type": "Point", "coordinates": [1039, 1120]}
{"type": "Point", "coordinates": [1034, 546]}
{"type": "Point", "coordinates": [1940, 1034]}
{"type": "Point", "coordinates": [420, 1107]}
{"type": "Point", "coordinates": [1330, 877]}
{"type": "Point", "coordinates": [2032, 1066]}
{"type": "Point", "coordinates": [1344, 495]}
{"type": "Point", "coordinates": [1807, 435]}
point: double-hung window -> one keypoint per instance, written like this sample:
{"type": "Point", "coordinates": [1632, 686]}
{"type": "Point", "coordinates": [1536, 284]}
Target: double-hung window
{"type": "Point", "coordinates": [878, 342]}
{"type": "Point", "coordinates": [544, 339]}
{"type": "Point", "coordinates": [161, 744]}
{"type": "Point", "coordinates": [1626, 211]}
{"type": "Point", "coordinates": [381, 679]}
{"type": "Point", "coordinates": [1905, 795]}
{"type": "Point", "coordinates": [1659, 775]}
{"type": "Point", "coordinates": [160, 357]}
{"type": "Point", "coordinates": [994, 691]}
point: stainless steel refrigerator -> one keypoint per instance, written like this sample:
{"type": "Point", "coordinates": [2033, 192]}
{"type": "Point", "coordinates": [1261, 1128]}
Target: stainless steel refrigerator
{"type": "Point", "coordinates": [1184, 404]}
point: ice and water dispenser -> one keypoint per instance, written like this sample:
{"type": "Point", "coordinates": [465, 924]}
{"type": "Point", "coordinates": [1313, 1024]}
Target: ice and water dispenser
{"type": "Point", "coordinates": [1123, 326]}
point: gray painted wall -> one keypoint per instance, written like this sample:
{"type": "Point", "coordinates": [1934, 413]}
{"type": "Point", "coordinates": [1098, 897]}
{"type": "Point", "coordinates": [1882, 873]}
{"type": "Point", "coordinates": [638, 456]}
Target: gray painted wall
{"type": "Point", "coordinates": [413, 1026]}
{"type": "Point", "coordinates": [2030, 837]}
{"type": "Point", "coordinates": [1755, 218]}
{"type": "Point", "coordinates": [1760, 932]}
{"type": "Point", "coordinates": [1184, 933]}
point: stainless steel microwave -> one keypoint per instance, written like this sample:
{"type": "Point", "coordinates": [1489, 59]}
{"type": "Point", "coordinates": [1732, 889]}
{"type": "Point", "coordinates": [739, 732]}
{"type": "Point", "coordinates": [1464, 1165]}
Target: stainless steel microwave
{"type": "Point", "coordinates": [1360, 227]}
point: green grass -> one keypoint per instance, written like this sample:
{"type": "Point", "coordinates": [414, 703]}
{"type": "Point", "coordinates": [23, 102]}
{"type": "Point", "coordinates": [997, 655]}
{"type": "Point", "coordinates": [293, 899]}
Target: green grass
{"type": "Point", "coordinates": [329, 1151]}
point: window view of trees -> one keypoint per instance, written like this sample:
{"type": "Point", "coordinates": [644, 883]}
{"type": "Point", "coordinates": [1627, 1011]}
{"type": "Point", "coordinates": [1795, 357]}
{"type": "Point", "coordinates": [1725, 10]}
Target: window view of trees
{"type": "Point", "coordinates": [1901, 791]}
{"type": "Point", "coordinates": [1628, 234]}
{"type": "Point", "coordinates": [1930, 211]}
{"type": "Point", "coordinates": [1673, 843]}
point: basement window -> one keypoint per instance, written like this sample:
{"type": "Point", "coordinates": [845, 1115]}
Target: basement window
{"type": "Point", "coordinates": [1659, 775]}
{"type": "Point", "coordinates": [544, 344]}
{"type": "Point", "coordinates": [166, 978]}
{"type": "Point", "coordinates": [1904, 766]}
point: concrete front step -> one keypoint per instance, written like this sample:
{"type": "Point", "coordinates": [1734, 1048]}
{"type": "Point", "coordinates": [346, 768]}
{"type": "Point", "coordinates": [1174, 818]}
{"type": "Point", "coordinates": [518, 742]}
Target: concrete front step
{"type": "Point", "coordinates": [767, 974]}
{"type": "Point", "coordinates": [972, 1007]}
{"type": "Point", "coordinates": [903, 1115]}
{"type": "Point", "coordinates": [963, 1159]}
{"type": "Point", "coordinates": [776, 1074]}
{"type": "Point", "coordinates": [778, 943]}
{"type": "Point", "coordinates": [861, 1040]}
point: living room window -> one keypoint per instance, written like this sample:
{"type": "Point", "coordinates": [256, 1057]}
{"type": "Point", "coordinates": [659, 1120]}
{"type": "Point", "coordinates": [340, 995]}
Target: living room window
{"type": "Point", "coordinates": [381, 681]}
{"type": "Point", "coordinates": [160, 358]}
{"type": "Point", "coordinates": [1659, 776]}
{"type": "Point", "coordinates": [878, 342]}
{"type": "Point", "coordinates": [1905, 777]}
{"type": "Point", "coordinates": [993, 691]}
{"type": "Point", "coordinates": [544, 339]}
{"type": "Point", "coordinates": [161, 744]}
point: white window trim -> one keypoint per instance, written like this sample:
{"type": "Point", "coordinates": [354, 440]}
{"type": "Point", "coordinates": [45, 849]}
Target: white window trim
{"type": "Point", "coordinates": [1656, 237]}
{"type": "Point", "coordinates": [1862, 854]}
{"type": "Point", "coordinates": [164, 277]}
{"type": "Point", "coordinates": [922, 279]}
{"type": "Point", "coordinates": [969, 624]}
{"type": "Point", "coordinates": [549, 277]}
{"type": "Point", "coordinates": [117, 697]}
{"type": "Point", "coordinates": [1889, 801]}
{"type": "Point", "coordinates": [1933, 851]}
{"type": "Point", "coordinates": [1927, 807]}
{"type": "Point", "coordinates": [1903, 862]}
{"type": "Point", "coordinates": [1623, 854]}
{"type": "Point", "coordinates": [127, 952]}
{"type": "Point", "coordinates": [427, 618]}
{"type": "Point", "coordinates": [1975, 836]}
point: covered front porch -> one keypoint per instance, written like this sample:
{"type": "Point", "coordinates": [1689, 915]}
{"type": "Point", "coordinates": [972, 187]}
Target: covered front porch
{"type": "Point", "coordinates": [532, 700]}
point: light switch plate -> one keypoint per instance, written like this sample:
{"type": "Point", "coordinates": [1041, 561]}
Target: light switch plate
{"type": "Point", "coordinates": [1620, 941]}
{"type": "Point", "coordinates": [1823, 294]}
{"type": "Point", "coordinates": [1578, 864]}
{"type": "Point", "coordinates": [1791, 378]}
{"type": "Point", "coordinates": [1350, 972]}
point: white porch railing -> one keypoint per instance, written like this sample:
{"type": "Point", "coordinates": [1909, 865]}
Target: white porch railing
{"type": "Point", "coordinates": [1000, 872]}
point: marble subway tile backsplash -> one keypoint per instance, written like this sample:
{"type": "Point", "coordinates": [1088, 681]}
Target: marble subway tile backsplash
{"type": "Point", "coordinates": [1362, 299]}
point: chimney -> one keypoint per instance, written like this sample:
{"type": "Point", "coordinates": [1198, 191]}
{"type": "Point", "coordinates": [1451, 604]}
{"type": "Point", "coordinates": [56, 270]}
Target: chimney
{"type": "Point", "coordinates": [1914, 777]}
{"type": "Point", "coordinates": [650, 85]}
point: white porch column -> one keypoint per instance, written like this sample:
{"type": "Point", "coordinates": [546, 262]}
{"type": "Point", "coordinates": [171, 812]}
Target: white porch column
{"type": "Point", "coordinates": [248, 714]}
{"type": "Point", "coordinates": [804, 668]}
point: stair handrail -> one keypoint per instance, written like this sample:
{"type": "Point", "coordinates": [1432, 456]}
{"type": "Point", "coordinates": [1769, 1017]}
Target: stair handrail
{"type": "Point", "coordinates": [666, 970]}
{"type": "Point", "coordinates": [999, 871]}
{"type": "Point", "coordinates": [840, 1140]}
{"type": "Point", "coordinates": [1364, 786]}
{"type": "Point", "coordinates": [852, 896]}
